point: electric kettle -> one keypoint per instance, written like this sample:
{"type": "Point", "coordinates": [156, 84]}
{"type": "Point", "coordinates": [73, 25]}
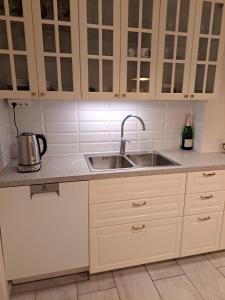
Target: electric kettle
{"type": "Point", "coordinates": [29, 151]}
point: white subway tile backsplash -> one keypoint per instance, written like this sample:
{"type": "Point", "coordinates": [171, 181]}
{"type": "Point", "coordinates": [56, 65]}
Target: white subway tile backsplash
{"type": "Point", "coordinates": [94, 126]}
{"type": "Point", "coordinates": [61, 127]}
{"type": "Point", "coordinates": [94, 116]}
{"type": "Point", "coordinates": [60, 116]}
{"type": "Point", "coordinates": [63, 148]}
{"type": "Point", "coordinates": [94, 147]}
{"type": "Point", "coordinates": [63, 138]}
{"type": "Point", "coordinates": [93, 137]}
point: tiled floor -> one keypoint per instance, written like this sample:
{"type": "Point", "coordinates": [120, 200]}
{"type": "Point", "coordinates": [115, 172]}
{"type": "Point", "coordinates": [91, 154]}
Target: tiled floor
{"type": "Point", "coordinates": [193, 278]}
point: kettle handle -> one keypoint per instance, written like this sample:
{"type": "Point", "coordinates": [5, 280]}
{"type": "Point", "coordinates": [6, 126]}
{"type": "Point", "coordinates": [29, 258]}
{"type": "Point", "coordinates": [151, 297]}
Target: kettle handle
{"type": "Point", "coordinates": [42, 137]}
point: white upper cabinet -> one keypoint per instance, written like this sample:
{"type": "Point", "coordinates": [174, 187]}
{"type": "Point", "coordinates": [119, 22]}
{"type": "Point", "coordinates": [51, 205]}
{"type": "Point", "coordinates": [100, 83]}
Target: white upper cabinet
{"type": "Point", "coordinates": [175, 45]}
{"type": "Point", "coordinates": [17, 55]}
{"type": "Point", "coordinates": [100, 48]}
{"type": "Point", "coordinates": [208, 46]}
{"type": "Point", "coordinates": [139, 37]}
{"type": "Point", "coordinates": [57, 48]}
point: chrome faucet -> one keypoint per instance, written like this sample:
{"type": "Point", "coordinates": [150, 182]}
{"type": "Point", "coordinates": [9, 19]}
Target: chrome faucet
{"type": "Point", "coordinates": [123, 141]}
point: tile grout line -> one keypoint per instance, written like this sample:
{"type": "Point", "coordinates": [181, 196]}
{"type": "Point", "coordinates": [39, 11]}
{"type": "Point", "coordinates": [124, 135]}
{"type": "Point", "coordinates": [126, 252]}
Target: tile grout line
{"type": "Point", "coordinates": [153, 283]}
{"type": "Point", "coordinates": [116, 285]}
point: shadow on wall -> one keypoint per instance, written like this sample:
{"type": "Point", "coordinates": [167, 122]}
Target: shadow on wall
{"type": "Point", "coordinates": [1, 158]}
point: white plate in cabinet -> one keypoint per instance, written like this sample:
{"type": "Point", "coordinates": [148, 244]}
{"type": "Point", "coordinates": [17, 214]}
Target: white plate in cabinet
{"type": "Point", "coordinates": [132, 244]}
{"type": "Point", "coordinates": [123, 212]}
{"type": "Point", "coordinates": [205, 181]}
{"type": "Point", "coordinates": [116, 189]}
{"type": "Point", "coordinates": [205, 202]}
{"type": "Point", "coordinates": [201, 233]}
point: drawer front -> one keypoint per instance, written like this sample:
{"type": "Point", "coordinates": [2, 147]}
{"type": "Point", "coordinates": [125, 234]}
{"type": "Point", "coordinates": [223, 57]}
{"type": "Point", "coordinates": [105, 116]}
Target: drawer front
{"type": "Point", "coordinates": [123, 212]}
{"type": "Point", "coordinates": [201, 233]}
{"type": "Point", "coordinates": [117, 189]}
{"type": "Point", "coordinates": [205, 181]}
{"type": "Point", "coordinates": [137, 243]}
{"type": "Point", "coordinates": [205, 202]}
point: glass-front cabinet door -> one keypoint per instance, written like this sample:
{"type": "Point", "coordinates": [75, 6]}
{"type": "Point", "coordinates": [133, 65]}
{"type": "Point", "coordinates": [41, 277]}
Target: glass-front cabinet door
{"type": "Point", "coordinates": [175, 45]}
{"type": "Point", "coordinates": [100, 48]}
{"type": "Point", "coordinates": [139, 36]}
{"type": "Point", "coordinates": [17, 56]}
{"type": "Point", "coordinates": [57, 48]}
{"type": "Point", "coordinates": [208, 47]}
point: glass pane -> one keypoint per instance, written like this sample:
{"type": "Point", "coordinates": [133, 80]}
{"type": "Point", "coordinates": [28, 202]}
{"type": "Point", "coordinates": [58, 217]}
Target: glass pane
{"type": "Point", "coordinates": [92, 11]}
{"type": "Point", "coordinates": [93, 75]}
{"type": "Point", "coordinates": [133, 14]}
{"type": "Point", "coordinates": [144, 77]}
{"type": "Point", "coordinates": [147, 12]}
{"type": "Point", "coordinates": [51, 73]}
{"type": "Point", "coordinates": [217, 18]}
{"type": "Point", "coordinates": [202, 49]}
{"type": "Point", "coordinates": [206, 15]}
{"type": "Point", "coordinates": [171, 15]}
{"type": "Point", "coordinates": [22, 80]}
{"type": "Point", "coordinates": [214, 48]}
{"type": "Point", "coordinates": [107, 42]}
{"type": "Point", "coordinates": [66, 73]}
{"type": "Point", "coordinates": [181, 47]}
{"type": "Point", "coordinates": [179, 78]}
{"type": "Point", "coordinates": [2, 8]}
{"type": "Point", "coordinates": [169, 46]}
{"type": "Point", "coordinates": [107, 12]}
{"type": "Point", "coordinates": [131, 76]}
{"type": "Point", "coordinates": [167, 77]}
{"type": "Point", "coordinates": [199, 78]}
{"type": "Point", "coordinates": [3, 36]}
{"type": "Point", "coordinates": [107, 75]}
{"type": "Point", "coordinates": [15, 8]}
{"type": "Point", "coordinates": [65, 39]}
{"type": "Point", "coordinates": [5, 74]}
{"type": "Point", "coordinates": [132, 44]}
{"type": "Point", "coordinates": [146, 44]}
{"type": "Point", "coordinates": [18, 36]}
{"type": "Point", "coordinates": [210, 79]}
{"type": "Point", "coordinates": [93, 41]}
{"type": "Point", "coordinates": [47, 9]}
{"type": "Point", "coordinates": [184, 15]}
{"type": "Point", "coordinates": [48, 32]}
{"type": "Point", "coordinates": [63, 10]}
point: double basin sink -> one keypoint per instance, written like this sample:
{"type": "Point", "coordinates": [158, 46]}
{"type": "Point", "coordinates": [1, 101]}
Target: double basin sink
{"type": "Point", "coordinates": [101, 162]}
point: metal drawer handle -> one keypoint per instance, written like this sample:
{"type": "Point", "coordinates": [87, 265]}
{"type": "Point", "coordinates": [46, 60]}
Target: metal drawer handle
{"type": "Point", "coordinates": [209, 174]}
{"type": "Point", "coordinates": [136, 228]}
{"type": "Point", "coordinates": [203, 219]}
{"type": "Point", "coordinates": [206, 197]}
{"type": "Point", "coordinates": [138, 204]}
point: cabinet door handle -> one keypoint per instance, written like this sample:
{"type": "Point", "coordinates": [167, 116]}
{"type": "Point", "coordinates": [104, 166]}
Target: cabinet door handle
{"type": "Point", "coordinates": [138, 204]}
{"type": "Point", "coordinates": [185, 96]}
{"type": "Point", "coordinates": [192, 96]}
{"type": "Point", "coordinates": [206, 197]}
{"type": "Point", "coordinates": [33, 94]}
{"type": "Point", "coordinates": [203, 219]}
{"type": "Point", "coordinates": [124, 95]}
{"type": "Point", "coordinates": [116, 95]}
{"type": "Point", "coordinates": [136, 228]}
{"type": "Point", "coordinates": [42, 94]}
{"type": "Point", "coordinates": [209, 174]}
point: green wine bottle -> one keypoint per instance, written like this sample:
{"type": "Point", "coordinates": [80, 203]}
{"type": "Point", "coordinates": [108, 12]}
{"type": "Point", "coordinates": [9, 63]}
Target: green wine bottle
{"type": "Point", "coordinates": [187, 135]}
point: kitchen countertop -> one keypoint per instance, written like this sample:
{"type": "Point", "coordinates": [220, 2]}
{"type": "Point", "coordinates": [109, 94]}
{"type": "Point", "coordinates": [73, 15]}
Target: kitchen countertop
{"type": "Point", "coordinates": [65, 168]}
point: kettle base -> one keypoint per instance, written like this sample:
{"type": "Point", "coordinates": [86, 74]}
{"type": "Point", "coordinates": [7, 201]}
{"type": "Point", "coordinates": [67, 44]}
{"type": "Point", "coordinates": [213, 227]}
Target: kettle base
{"type": "Point", "coordinates": [29, 168]}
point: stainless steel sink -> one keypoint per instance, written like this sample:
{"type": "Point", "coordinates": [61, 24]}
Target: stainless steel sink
{"type": "Point", "coordinates": [107, 162]}
{"type": "Point", "coordinates": [151, 159]}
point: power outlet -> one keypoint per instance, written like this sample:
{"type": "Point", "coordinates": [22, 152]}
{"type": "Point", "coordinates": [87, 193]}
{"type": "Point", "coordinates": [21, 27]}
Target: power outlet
{"type": "Point", "coordinates": [21, 103]}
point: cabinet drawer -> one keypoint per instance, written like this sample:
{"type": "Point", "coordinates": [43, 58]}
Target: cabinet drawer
{"type": "Point", "coordinates": [123, 212]}
{"type": "Point", "coordinates": [117, 189]}
{"type": "Point", "coordinates": [205, 181]}
{"type": "Point", "coordinates": [137, 243]}
{"type": "Point", "coordinates": [201, 233]}
{"type": "Point", "coordinates": [205, 202]}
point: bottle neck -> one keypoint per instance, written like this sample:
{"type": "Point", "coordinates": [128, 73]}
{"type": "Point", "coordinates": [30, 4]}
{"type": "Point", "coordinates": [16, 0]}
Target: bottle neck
{"type": "Point", "coordinates": [189, 120]}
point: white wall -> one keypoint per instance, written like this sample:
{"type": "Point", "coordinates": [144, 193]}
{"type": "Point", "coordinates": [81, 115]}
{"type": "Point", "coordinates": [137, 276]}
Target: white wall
{"type": "Point", "coordinates": [4, 135]}
{"type": "Point", "coordinates": [79, 127]}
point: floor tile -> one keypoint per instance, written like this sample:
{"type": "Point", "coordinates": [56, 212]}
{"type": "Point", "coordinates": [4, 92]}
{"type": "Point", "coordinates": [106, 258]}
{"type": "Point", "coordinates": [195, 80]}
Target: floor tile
{"type": "Point", "coordinates": [96, 282]}
{"type": "Point", "coordinates": [110, 294]}
{"type": "Point", "coordinates": [204, 276]}
{"type": "Point", "coordinates": [68, 292]}
{"type": "Point", "coordinates": [135, 284]}
{"type": "Point", "coordinates": [217, 258]}
{"type": "Point", "coordinates": [29, 296]}
{"type": "Point", "coordinates": [177, 288]}
{"type": "Point", "coordinates": [164, 269]}
{"type": "Point", "coordinates": [222, 270]}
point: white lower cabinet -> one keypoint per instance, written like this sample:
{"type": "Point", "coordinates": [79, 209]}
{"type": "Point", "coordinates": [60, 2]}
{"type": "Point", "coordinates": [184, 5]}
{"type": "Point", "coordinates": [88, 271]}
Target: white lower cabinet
{"type": "Point", "coordinates": [201, 233]}
{"type": "Point", "coordinates": [45, 232]}
{"type": "Point", "coordinates": [222, 240]}
{"type": "Point", "coordinates": [130, 244]}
